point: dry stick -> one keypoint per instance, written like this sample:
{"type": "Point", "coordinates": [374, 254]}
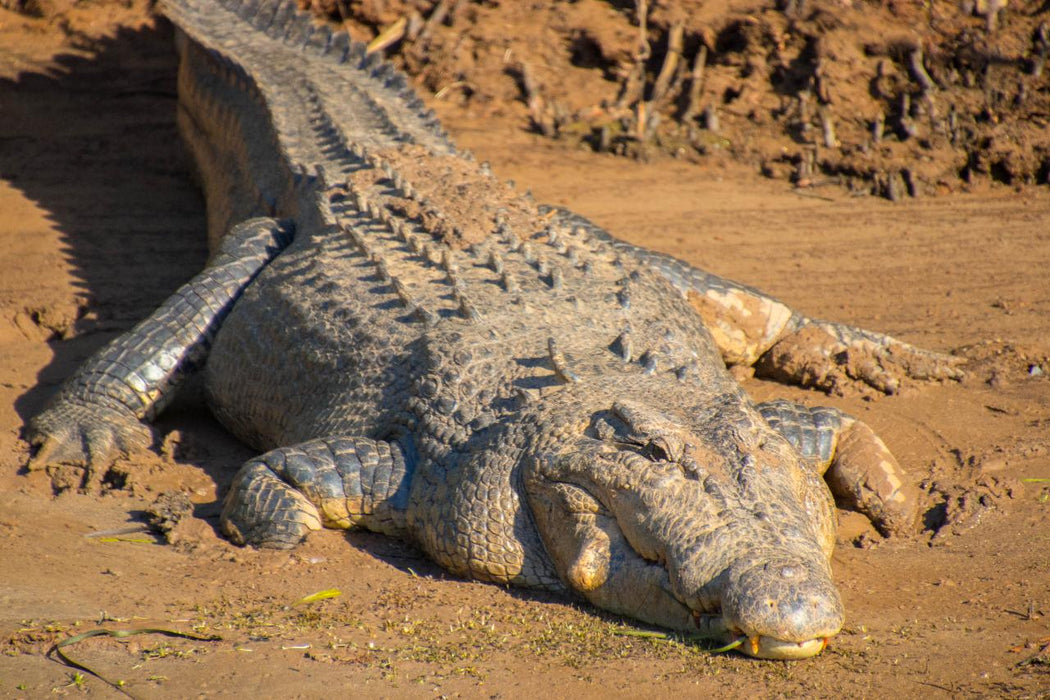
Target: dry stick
{"type": "Point", "coordinates": [633, 87]}
{"type": "Point", "coordinates": [667, 70]}
{"type": "Point", "coordinates": [1034, 657]}
{"type": "Point", "coordinates": [534, 100]}
{"type": "Point", "coordinates": [641, 118]}
{"type": "Point", "coordinates": [918, 70]}
{"type": "Point", "coordinates": [642, 10]}
{"type": "Point", "coordinates": [681, 638]}
{"type": "Point", "coordinates": [1022, 93]}
{"type": "Point", "coordinates": [711, 122]}
{"type": "Point", "coordinates": [1041, 42]}
{"type": "Point", "coordinates": [437, 16]}
{"type": "Point", "coordinates": [696, 84]}
{"type": "Point", "coordinates": [679, 77]}
{"type": "Point", "coordinates": [880, 78]}
{"type": "Point", "coordinates": [812, 195]}
{"type": "Point", "coordinates": [991, 14]}
{"type": "Point", "coordinates": [389, 36]}
{"type": "Point", "coordinates": [803, 112]}
{"type": "Point", "coordinates": [893, 186]}
{"type": "Point", "coordinates": [829, 129]}
{"type": "Point", "coordinates": [648, 111]}
{"type": "Point", "coordinates": [820, 83]}
{"type": "Point", "coordinates": [905, 121]}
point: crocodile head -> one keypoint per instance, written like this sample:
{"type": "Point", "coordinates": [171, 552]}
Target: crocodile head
{"type": "Point", "coordinates": [710, 521]}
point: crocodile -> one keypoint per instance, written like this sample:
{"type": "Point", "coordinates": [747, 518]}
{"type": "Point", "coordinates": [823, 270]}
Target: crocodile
{"type": "Point", "coordinates": [416, 348]}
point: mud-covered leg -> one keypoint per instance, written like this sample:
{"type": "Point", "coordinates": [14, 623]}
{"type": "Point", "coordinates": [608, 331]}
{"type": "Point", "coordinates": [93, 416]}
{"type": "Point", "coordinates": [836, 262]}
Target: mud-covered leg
{"type": "Point", "coordinates": [857, 465]}
{"type": "Point", "coordinates": [98, 413]}
{"type": "Point", "coordinates": [339, 482]}
{"type": "Point", "coordinates": [754, 329]}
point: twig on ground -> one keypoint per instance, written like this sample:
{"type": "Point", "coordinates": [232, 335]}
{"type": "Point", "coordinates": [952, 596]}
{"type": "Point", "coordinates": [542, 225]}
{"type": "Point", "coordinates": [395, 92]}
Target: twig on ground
{"type": "Point", "coordinates": [117, 685]}
{"type": "Point", "coordinates": [389, 36]}
{"type": "Point", "coordinates": [696, 85]}
{"type": "Point", "coordinates": [670, 65]}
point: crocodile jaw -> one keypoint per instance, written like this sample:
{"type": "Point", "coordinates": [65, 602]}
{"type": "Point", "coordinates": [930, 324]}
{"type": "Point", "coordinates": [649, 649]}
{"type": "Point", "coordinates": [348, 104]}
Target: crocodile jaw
{"type": "Point", "coordinates": [758, 646]}
{"type": "Point", "coordinates": [780, 607]}
{"type": "Point", "coordinates": [770, 648]}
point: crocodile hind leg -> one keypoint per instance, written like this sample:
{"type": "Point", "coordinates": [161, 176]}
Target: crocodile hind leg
{"type": "Point", "coordinates": [754, 329]}
{"type": "Point", "coordinates": [98, 413]}
{"type": "Point", "coordinates": [340, 482]}
{"type": "Point", "coordinates": [858, 467]}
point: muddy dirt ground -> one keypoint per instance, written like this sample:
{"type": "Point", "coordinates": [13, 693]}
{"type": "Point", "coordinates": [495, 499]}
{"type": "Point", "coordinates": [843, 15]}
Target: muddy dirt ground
{"type": "Point", "coordinates": [99, 221]}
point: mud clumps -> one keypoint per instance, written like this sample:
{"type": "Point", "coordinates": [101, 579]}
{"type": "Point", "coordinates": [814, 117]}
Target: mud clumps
{"type": "Point", "coordinates": [1000, 363]}
{"type": "Point", "coordinates": [964, 507]}
{"type": "Point", "coordinates": [892, 99]}
{"type": "Point", "coordinates": [171, 516]}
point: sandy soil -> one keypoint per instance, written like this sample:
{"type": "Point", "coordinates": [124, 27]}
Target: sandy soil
{"type": "Point", "coordinates": [99, 221]}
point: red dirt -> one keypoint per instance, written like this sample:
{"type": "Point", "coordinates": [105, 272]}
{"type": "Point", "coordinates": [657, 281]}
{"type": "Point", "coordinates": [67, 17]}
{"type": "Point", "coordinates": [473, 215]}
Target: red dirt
{"type": "Point", "coordinates": [101, 221]}
{"type": "Point", "coordinates": [890, 98]}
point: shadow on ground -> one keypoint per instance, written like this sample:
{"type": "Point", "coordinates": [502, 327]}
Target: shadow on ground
{"type": "Point", "coordinates": [93, 143]}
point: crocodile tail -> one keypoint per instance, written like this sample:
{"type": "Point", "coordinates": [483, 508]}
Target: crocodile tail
{"type": "Point", "coordinates": [209, 22]}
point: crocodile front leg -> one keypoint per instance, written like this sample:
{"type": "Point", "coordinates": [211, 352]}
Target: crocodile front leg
{"type": "Point", "coordinates": [340, 482]}
{"type": "Point", "coordinates": [98, 413]}
{"type": "Point", "coordinates": [857, 465]}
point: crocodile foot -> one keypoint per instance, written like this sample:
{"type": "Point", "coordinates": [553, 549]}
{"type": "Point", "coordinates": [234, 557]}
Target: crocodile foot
{"type": "Point", "coordinates": [834, 358]}
{"type": "Point", "coordinates": [89, 436]}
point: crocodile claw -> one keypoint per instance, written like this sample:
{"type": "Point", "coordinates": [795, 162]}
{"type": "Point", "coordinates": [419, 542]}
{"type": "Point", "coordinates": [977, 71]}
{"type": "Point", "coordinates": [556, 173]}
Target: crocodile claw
{"type": "Point", "coordinates": [86, 436]}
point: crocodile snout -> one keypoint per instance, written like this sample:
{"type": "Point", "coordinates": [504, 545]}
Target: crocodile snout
{"type": "Point", "coordinates": [785, 608]}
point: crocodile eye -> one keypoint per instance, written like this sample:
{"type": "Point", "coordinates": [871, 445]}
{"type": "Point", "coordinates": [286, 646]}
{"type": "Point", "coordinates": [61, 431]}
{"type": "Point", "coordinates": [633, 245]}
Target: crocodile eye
{"type": "Point", "coordinates": [662, 449]}
{"type": "Point", "coordinates": [657, 451]}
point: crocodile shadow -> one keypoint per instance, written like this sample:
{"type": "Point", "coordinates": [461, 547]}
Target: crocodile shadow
{"type": "Point", "coordinates": [92, 142]}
